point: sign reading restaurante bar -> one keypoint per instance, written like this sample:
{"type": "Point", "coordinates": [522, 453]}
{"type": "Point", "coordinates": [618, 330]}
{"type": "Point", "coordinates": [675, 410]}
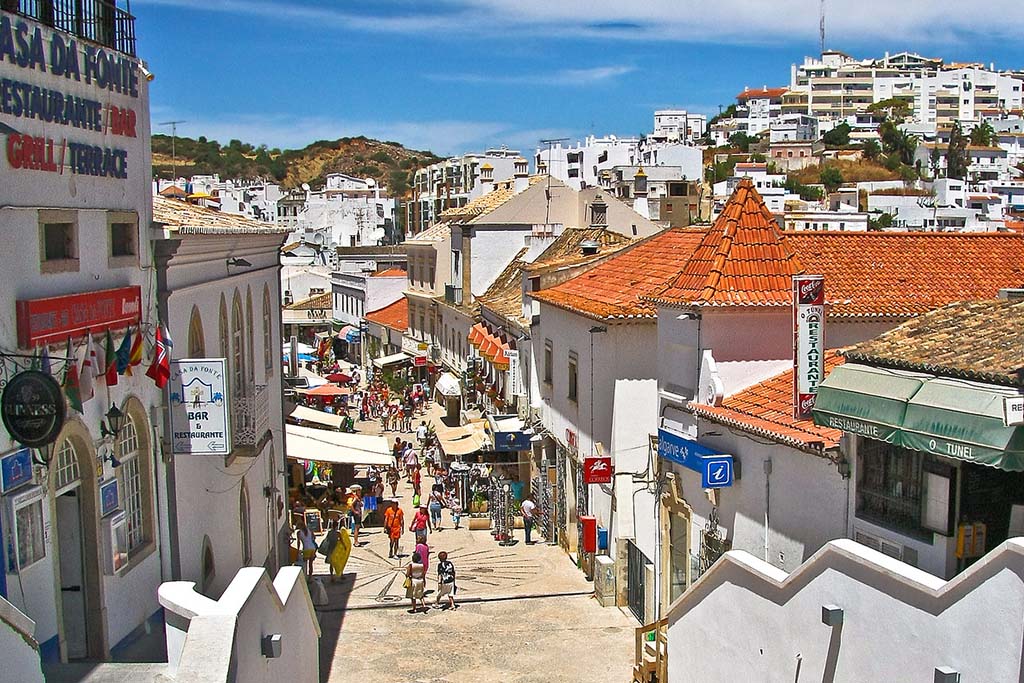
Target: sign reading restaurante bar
{"type": "Point", "coordinates": [44, 321]}
{"type": "Point", "coordinates": [200, 424]}
{"type": "Point", "coordinates": [808, 341]}
{"type": "Point", "coordinates": [29, 97]}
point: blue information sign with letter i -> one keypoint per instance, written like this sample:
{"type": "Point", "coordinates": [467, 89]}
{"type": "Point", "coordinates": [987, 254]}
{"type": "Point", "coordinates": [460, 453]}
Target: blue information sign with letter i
{"type": "Point", "coordinates": [715, 469]}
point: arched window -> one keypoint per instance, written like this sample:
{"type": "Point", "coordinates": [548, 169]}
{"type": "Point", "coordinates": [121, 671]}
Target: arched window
{"type": "Point", "coordinates": [196, 338]}
{"type": "Point", "coordinates": [223, 337]}
{"type": "Point", "coordinates": [243, 523]}
{"type": "Point", "coordinates": [132, 484]}
{"type": "Point", "coordinates": [250, 326]}
{"type": "Point", "coordinates": [238, 379]}
{"type": "Point", "coordinates": [268, 345]}
{"type": "Point", "coordinates": [66, 470]}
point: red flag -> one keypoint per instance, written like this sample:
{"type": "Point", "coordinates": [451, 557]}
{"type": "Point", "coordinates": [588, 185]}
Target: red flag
{"type": "Point", "coordinates": [160, 369]}
{"type": "Point", "coordinates": [110, 374]}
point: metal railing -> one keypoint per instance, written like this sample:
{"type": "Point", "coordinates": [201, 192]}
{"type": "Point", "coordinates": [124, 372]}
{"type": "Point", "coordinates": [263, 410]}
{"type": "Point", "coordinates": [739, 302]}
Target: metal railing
{"type": "Point", "coordinates": [251, 417]}
{"type": "Point", "coordinates": [453, 295]}
{"type": "Point", "coordinates": [99, 21]}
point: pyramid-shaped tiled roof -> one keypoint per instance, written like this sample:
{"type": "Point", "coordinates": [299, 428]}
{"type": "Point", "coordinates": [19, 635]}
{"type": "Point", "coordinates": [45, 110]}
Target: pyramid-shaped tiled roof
{"type": "Point", "coordinates": [742, 260]}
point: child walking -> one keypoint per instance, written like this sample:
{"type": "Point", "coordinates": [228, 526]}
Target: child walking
{"type": "Point", "coordinates": [445, 579]}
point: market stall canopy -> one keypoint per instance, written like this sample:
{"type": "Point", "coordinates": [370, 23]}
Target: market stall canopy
{"type": "Point", "coordinates": [339, 377]}
{"type": "Point", "coordinates": [315, 380]}
{"type": "Point", "coordinates": [463, 440]}
{"type": "Point", "coordinates": [307, 443]}
{"type": "Point", "coordinates": [328, 390]}
{"type": "Point", "coordinates": [448, 385]}
{"type": "Point", "coordinates": [299, 347]}
{"type": "Point", "coordinates": [318, 416]}
{"type": "Point", "coordinates": [390, 360]}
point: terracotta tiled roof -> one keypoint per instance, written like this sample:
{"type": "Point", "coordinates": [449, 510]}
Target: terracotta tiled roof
{"type": "Point", "coordinates": [614, 289]}
{"type": "Point", "coordinates": [904, 274]}
{"type": "Point", "coordinates": [978, 340]}
{"type": "Point", "coordinates": [435, 233]}
{"type": "Point", "coordinates": [759, 93]}
{"type": "Point", "coordinates": [566, 249]}
{"type": "Point", "coordinates": [317, 302]}
{"type": "Point", "coordinates": [390, 272]}
{"type": "Point", "coordinates": [505, 295]}
{"type": "Point", "coordinates": [767, 409]}
{"type": "Point", "coordinates": [190, 219]}
{"type": "Point", "coordinates": [394, 316]}
{"type": "Point", "coordinates": [742, 260]}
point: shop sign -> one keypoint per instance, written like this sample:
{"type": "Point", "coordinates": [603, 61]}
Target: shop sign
{"type": "Point", "coordinates": [808, 341]}
{"type": "Point", "coordinates": [15, 470]}
{"type": "Point", "coordinates": [597, 470]}
{"type": "Point", "coordinates": [44, 321]}
{"type": "Point", "coordinates": [109, 500]}
{"type": "Point", "coordinates": [571, 439]}
{"type": "Point", "coordinates": [33, 408]}
{"type": "Point", "coordinates": [511, 441]}
{"type": "Point", "coordinates": [514, 378]}
{"type": "Point", "coordinates": [200, 420]}
{"type": "Point", "coordinates": [1013, 410]}
{"type": "Point", "coordinates": [420, 361]}
{"type": "Point", "coordinates": [716, 469]}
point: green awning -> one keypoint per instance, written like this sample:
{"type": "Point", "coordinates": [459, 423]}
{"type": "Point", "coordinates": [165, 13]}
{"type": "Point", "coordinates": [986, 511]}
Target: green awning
{"type": "Point", "coordinates": [963, 420]}
{"type": "Point", "coordinates": [860, 399]}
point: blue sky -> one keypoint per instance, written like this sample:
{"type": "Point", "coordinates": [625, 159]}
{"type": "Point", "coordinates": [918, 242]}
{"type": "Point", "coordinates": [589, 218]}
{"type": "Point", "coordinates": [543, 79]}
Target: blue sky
{"type": "Point", "coordinates": [460, 75]}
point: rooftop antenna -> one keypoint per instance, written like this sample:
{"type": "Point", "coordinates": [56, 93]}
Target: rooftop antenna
{"type": "Point", "coordinates": [821, 26]}
{"type": "Point", "coordinates": [174, 135]}
{"type": "Point", "coordinates": [547, 189]}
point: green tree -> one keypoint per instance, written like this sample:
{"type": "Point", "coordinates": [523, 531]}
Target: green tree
{"type": "Point", "coordinates": [956, 154]}
{"type": "Point", "coordinates": [871, 150]}
{"type": "Point", "coordinates": [838, 136]}
{"type": "Point", "coordinates": [881, 223]}
{"type": "Point", "coordinates": [984, 135]}
{"type": "Point", "coordinates": [727, 113]}
{"type": "Point", "coordinates": [741, 141]}
{"type": "Point", "coordinates": [806, 192]}
{"type": "Point", "coordinates": [892, 109]}
{"type": "Point", "coordinates": [831, 177]}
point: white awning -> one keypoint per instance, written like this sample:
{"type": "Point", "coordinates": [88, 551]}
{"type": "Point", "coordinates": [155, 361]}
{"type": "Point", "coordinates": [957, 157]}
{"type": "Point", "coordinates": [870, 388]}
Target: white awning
{"type": "Point", "coordinates": [318, 416]}
{"type": "Point", "coordinates": [448, 385]}
{"type": "Point", "coordinates": [463, 440]}
{"type": "Point", "coordinates": [306, 443]}
{"type": "Point", "coordinates": [390, 360]}
{"type": "Point", "coordinates": [315, 380]}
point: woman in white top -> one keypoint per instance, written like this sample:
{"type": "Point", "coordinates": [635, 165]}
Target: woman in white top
{"type": "Point", "coordinates": [415, 582]}
{"type": "Point", "coordinates": [307, 544]}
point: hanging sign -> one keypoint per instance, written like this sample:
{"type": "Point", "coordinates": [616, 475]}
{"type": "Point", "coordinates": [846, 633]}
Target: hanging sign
{"type": "Point", "coordinates": [597, 470]}
{"type": "Point", "coordinates": [200, 420]}
{"type": "Point", "coordinates": [15, 470]}
{"type": "Point", "coordinates": [808, 341]}
{"type": "Point", "coordinates": [515, 379]}
{"type": "Point", "coordinates": [1013, 410]}
{"type": "Point", "coordinates": [33, 408]}
{"type": "Point", "coordinates": [43, 321]}
{"type": "Point", "coordinates": [716, 469]}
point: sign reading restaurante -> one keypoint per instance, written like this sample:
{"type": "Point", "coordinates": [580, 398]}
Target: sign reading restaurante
{"type": "Point", "coordinates": [200, 424]}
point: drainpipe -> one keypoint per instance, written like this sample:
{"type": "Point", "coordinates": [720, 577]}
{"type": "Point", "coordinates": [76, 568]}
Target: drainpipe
{"type": "Point", "coordinates": [767, 502]}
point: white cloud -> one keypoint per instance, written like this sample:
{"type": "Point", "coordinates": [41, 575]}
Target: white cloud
{"type": "Point", "coordinates": [562, 77]}
{"type": "Point", "coordinates": [914, 22]}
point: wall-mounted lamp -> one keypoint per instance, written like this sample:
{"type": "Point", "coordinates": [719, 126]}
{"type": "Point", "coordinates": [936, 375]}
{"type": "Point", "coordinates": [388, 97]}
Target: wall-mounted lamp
{"type": "Point", "coordinates": [239, 262]}
{"type": "Point", "coordinates": [598, 329]}
{"type": "Point", "coordinates": [115, 420]}
{"type": "Point", "coordinates": [844, 468]}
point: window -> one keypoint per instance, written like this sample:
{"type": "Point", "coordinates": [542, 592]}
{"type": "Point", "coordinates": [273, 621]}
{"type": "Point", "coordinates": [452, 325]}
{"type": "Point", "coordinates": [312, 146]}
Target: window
{"type": "Point", "coordinates": [131, 485]}
{"type": "Point", "coordinates": [573, 375]}
{"type": "Point", "coordinates": [238, 382]}
{"type": "Point", "coordinates": [243, 523]}
{"type": "Point", "coordinates": [889, 484]}
{"type": "Point", "coordinates": [123, 229]}
{"type": "Point", "coordinates": [250, 327]}
{"type": "Point", "coordinates": [58, 241]}
{"type": "Point", "coordinates": [223, 330]}
{"type": "Point", "coordinates": [66, 472]}
{"type": "Point", "coordinates": [196, 340]}
{"type": "Point", "coordinates": [28, 522]}
{"type": "Point", "coordinates": [268, 355]}
{"type": "Point", "coordinates": [549, 361]}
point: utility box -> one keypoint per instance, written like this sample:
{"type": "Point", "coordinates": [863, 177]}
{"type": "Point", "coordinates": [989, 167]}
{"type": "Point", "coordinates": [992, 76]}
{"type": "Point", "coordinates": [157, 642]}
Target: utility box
{"type": "Point", "coordinates": [604, 580]}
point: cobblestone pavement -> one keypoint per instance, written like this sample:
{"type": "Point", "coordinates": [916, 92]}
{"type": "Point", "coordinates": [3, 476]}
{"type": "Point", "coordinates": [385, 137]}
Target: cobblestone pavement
{"type": "Point", "coordinates": [529, 615]}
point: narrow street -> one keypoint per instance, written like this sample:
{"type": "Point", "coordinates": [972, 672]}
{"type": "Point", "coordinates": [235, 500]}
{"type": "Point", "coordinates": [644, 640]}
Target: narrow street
{"type": "Point", "coordinates": [527, 614]}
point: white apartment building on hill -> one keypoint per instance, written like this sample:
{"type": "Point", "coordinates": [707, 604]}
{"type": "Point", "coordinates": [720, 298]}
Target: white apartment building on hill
{"type": "Point", "coordinates": [678, 125]}
{"type": "Point", "coordinates": [579, 166]}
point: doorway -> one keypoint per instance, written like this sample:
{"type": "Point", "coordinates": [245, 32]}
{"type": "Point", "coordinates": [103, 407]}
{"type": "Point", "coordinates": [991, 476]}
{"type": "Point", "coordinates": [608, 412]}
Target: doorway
{"type": "Point", "coordinates": [72, 574]}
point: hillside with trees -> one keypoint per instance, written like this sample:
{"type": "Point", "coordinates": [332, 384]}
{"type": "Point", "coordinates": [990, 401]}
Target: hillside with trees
{"type": "Point", "coordinates": [389, 163]}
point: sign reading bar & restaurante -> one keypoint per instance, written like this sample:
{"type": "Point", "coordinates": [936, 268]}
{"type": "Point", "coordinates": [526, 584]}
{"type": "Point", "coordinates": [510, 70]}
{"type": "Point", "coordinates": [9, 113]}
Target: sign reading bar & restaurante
{"type": "Point", "coordinates": [54, 319]}
{"type": "Point", "coordinates": [200, 421]}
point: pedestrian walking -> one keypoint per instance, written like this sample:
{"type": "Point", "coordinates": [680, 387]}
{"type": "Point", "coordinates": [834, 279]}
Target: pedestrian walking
{"type": "Point", "coordinates": [415, 582]}
{"type": "Point", "coordinates": [445, 580]}
{"type": "Point", "coordinates": [393, 477]}
{"type": "Point", "coordinates": [307, 545]}
{"type": "Point", "coordinates": [529, 510]}
{"type": "Point", "coordinates": [412, 461]}
{"type": "Point", "coordinates": [434, 503]}
{"type": "Point", "coordinates": [394, 524]}
{"type": "Point", "coordinates": [417, 479]}
{"type": "Point", "coordinates": [456, 507]}
{"type": "Point", "coordinates": [421, 433]}
{"type": "Point", "coordinates": [424, 550]}
{"type": "Point", "coordinates": [356, 515]}
{"type": "Point", "coordinates": [419, 524]}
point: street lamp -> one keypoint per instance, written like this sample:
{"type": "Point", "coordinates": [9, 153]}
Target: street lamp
{"type": "Point", "coordinates": [116, 421]}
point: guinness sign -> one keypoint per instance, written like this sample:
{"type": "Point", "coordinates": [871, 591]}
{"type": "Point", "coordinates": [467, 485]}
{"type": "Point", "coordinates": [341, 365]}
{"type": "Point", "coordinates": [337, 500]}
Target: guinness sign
{"type": "Point", "coordinates": [32, 408]}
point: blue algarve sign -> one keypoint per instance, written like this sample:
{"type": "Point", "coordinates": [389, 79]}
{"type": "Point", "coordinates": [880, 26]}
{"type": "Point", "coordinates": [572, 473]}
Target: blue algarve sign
{"type": "Point", "coordinates": [716, 469]}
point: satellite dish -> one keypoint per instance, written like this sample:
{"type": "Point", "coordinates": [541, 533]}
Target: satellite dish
{"type": "Point", "coordinates": [318, 238]}
{"type": "Point", "coordinates": [305, 186]}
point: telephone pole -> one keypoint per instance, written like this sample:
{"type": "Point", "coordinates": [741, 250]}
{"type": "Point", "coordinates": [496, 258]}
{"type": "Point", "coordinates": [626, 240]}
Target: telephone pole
{"type": "Point", "coordinates": [174, 136]}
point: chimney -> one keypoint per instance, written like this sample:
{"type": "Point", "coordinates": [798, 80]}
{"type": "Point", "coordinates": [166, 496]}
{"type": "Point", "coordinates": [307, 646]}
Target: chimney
{"type": "Point", "coordinates": [589, 247]}
{"type": "Point", "coordinates": [467, 259]}
{"type": "Point", "coordinates": [598, 213]}
{"type": "Point", "coordinates": [486, 178]}
{"type": "Point", "coordinates": [521, 175]}
{"type": "Point", "coordinates": [640, 194]}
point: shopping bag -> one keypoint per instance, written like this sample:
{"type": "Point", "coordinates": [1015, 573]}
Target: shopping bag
{"type": "Point", "coordinates": [326, 546]}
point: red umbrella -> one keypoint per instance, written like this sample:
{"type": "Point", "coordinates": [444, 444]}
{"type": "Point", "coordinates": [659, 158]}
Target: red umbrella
{"type": "Point", "coordinates": [339, 377]}
{"type": "Point", "coordinates": [328, 390]}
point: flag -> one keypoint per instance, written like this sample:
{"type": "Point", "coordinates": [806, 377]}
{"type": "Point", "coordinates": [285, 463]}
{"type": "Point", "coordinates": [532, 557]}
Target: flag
{"type": "Point", "coordinates": [110, 362]}
{"type": "Point", "coordinates": [124, 354]}
{"type": "Point", "coordinates": [168, 342]}
{"type": "Point", "coordinates": [72, 390]}
{"type": "Point", "coordinates": [160, 369]}
{"type": "Point", "coordinates": [135, 357]}
{"type": "Point", "coordinates": [88, 374]}
{"type": "Point", "coordinates": [44, 361]}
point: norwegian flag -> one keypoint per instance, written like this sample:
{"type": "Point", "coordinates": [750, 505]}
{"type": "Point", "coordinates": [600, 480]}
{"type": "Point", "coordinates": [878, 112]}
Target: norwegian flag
{"type": "Point", "coordinates": [160, 369]}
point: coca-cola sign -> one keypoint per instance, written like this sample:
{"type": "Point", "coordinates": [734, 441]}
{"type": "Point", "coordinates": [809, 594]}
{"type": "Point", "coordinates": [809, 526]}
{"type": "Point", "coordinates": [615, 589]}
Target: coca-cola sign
{"type": "Point", "coordinates": [808, 341]}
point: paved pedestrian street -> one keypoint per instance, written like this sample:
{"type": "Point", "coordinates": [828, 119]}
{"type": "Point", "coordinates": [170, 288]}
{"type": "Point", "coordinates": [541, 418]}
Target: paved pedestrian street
{"type": "Point", "coordinates": [526, 614]}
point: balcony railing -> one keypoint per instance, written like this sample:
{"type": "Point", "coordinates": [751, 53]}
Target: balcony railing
{"type": "Point", "coordinates": [251, 417]}
{"type": "Point", "coordinates": [99, 21]}
{"type": "Point", "coordinates": [453, 295]}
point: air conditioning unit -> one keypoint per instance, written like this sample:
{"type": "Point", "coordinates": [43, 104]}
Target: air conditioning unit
{"type": "Point", "coordinates": [604, 580]}
{"type": "Point", "coordinates": [886, 547]}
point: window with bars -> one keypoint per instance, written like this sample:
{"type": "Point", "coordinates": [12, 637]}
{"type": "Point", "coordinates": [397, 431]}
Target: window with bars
{"type": "Point", "coordinates": [66, 472]}
{"type": "Point", "coordinates": [889, 485]}
{"type": "Point", "coordinates": [131, 485]}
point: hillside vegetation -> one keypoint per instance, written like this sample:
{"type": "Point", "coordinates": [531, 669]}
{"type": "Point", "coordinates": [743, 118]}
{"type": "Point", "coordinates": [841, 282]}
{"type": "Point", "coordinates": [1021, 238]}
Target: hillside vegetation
{"type": "Point", "coordinates": [389, 163]}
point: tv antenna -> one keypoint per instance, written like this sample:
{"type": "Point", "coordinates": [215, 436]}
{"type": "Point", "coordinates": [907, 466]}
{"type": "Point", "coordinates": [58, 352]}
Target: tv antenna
{"type": "Point", "coordinates": [550, 142]}
{"type": "Point", "coordinates": [174, 135]}
{"type": "Point", "coordinates": [821, 26]}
